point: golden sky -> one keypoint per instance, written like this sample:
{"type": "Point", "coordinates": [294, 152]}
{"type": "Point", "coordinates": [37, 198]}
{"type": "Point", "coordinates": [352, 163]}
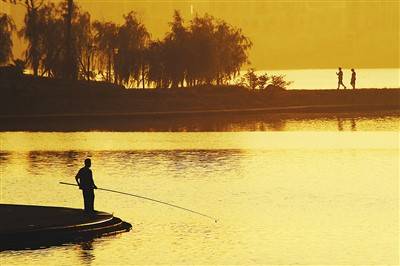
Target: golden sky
{"type": "Point", "coordinates": [285, 34]}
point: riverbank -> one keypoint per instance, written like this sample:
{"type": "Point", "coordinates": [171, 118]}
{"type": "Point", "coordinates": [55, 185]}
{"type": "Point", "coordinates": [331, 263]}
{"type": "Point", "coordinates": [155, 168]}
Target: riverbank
{"type": "Point", "coordinates": [26, 226]}
{"type": "Point", "coordinates": [29, 97]}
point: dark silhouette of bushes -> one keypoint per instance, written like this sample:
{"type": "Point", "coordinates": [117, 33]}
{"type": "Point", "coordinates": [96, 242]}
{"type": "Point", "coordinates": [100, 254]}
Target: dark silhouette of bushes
{"type": "Point", "coordinates": [252, 80]}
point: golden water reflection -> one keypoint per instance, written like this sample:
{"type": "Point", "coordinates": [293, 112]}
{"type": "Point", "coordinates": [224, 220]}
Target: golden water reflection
{"type": "Point", "coordinates": [280, 197]}
{"type": "Point", "coordinates": [73, 142]}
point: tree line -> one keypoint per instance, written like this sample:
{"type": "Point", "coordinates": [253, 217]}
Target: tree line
{"type": "Point", "coordinates": [64, 42]}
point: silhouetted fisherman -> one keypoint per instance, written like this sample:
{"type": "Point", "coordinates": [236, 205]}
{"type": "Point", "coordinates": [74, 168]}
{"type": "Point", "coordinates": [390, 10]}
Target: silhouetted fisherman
{"type": "Point", "coordinates": [340, 78]}
{"type": "Point", "coordinates": [353, 78]}
{"type": "Point", "coordinates": [84, 178]}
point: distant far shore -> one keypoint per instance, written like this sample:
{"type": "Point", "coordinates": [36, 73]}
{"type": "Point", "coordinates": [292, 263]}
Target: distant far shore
{"type": "Point", "coordinates": [48, 98]}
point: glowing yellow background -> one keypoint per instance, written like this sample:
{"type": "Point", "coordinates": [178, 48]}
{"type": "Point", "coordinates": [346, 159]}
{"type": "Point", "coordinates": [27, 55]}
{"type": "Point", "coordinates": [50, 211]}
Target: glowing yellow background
{"type": "Point", "coordinates": [286, 34]}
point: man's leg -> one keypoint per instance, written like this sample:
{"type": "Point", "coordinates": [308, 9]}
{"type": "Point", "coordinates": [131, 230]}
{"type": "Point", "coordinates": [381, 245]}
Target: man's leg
{"type": "Point", "coordinates": [91, 204]}
{"type": "Point", "coordinates": [86, 199]}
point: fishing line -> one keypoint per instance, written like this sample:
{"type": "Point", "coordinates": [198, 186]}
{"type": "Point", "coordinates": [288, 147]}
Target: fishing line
{"type": "Point", "coordinates": [146, 198]}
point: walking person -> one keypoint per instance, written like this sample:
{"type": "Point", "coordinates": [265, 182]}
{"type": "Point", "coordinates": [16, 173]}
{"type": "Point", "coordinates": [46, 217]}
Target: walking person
{"type": "Point", "coordinates": [84, 179]}
{"type": "Point", "coordinates": [353, 78]}
{"type": "Point", "coordinates": [340, 78]}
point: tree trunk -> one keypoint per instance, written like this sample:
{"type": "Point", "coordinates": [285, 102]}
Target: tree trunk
{"type": "Point", "coordinates": [71, 69]}
{"type": "Point", "coordinates": [109, 67]}
{"type": "Point", "coordinates": [88, 68]}
{"type": "Point", "coordinates": [143, 77]}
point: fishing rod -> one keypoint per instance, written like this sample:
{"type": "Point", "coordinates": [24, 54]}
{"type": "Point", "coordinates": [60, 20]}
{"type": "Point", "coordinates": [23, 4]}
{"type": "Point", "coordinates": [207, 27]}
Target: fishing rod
{"type": "Point", "coordinates": [146, 198]}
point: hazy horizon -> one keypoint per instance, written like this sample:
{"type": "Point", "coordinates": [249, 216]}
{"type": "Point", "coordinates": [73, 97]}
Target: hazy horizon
{"type": "Point", "coordinates": [285, 34]}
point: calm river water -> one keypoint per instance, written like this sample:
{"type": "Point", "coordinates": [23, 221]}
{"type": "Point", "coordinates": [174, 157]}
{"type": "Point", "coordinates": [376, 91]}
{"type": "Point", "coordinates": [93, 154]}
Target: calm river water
{"type": "Point", "coordinates": [310, 197]}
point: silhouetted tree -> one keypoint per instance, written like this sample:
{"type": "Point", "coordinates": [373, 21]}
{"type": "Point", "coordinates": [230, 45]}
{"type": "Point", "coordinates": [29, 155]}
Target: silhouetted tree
{"type": "Point", "coordinates": [250, 79]}
{"type": "Point", "coordinates": [132, 40]}
{"type": "Point", "coordinates": [232, 47]}
{"type": "Point", "coordinates": [106, 42]}
{"type": "Point", "coordinates": [218, 50]}
{"type": "Point", "coordinates": [156, 60]}
{"type": "Point", "coordinates": [202, 50]}
{"type": "Point", "coordinates": [31, 33]}
{"type": "Point", "coordinates": [50, 41]}
{"type": "Point", "coordinates": [253, 81]}
{"type": "Point", "coordinates": [84, 44]}
{"type": "Point", "coordinates": [7, 27]}
{"type": "Point", "coordinates": [279, 81]}
{"type": "Point", "coordinates": [208, 51]}
{"type": "Point", "coordinates": [176, 51]}
{"type": "Point", "coordinates": [263, 80]}
{"type": "Point", "coordinates": [71, 69]}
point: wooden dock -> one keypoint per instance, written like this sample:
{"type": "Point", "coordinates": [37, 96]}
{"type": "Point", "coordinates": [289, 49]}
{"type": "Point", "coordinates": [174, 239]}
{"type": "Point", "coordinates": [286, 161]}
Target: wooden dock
{"type": "Point", "coordinates": [30, 227]}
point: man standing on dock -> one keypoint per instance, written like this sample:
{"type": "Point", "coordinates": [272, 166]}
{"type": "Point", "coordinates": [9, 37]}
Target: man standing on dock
{"type": "Point", "coordinates": [84, 178]}
{"type": "Point", "coordinates": [340, 78]}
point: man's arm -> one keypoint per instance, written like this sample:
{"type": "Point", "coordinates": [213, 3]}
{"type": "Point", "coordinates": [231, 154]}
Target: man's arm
{"type": "Point", "coordinates": [77, 178]}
